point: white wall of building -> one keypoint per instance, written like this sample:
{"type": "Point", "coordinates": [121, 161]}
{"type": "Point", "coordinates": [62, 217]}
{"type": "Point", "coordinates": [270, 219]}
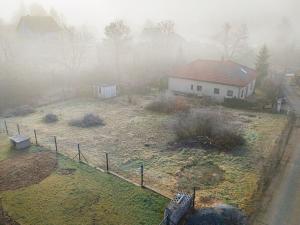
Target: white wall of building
{"type": "Point", "coordinates": [201, 88]}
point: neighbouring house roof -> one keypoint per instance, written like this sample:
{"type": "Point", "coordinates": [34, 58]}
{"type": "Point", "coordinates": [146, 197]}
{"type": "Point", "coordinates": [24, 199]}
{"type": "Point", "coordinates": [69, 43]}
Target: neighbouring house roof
{"type": "Point", "coordinates": [39, 24]}
{"type": "Point", "coordinates": [222, 72]}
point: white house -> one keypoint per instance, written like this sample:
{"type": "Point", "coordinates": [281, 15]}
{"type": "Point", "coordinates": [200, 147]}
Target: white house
{"type": "Point", "coordinates": [217, 79]}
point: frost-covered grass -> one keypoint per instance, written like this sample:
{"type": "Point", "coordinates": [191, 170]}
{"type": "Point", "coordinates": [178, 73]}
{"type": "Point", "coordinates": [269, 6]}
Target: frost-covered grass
{"type": "Point", "coordinates": [133, 135]}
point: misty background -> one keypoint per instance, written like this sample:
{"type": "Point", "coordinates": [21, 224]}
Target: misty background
{"type": "Point", "coordinates": [133, 43]}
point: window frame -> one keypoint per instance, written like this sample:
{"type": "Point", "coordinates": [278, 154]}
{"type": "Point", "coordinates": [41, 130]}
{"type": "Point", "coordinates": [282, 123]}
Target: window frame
{"type": "Point", "coordinates": [227, 94]}
{"type": "Point", "coordinates": [199, 88]}
{"type": "Point", "coordinates": [216, 91]}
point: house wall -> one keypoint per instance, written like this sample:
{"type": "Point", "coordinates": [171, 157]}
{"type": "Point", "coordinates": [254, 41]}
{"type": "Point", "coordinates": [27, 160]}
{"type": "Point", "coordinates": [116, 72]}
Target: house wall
{"type": "Point", "coordinates": [184, 86]}
{"type": "Point", "coordinates": [25, 32]}
{"type": "Point", "coordinates": [247, 90]}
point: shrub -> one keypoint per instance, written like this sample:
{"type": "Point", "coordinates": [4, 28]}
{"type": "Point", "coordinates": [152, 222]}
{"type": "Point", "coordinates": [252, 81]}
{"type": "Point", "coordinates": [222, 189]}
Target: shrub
{"type": "Point", "coordinates": [207, 126]}
{"type": "Point", "coordinates": [50, 118]}
{"type": "Point", "coordinates": [88, 120]}
{"type": "Point", "coordinates": [238, 103]}
{"type": "Point", "coordinates": [20, 111]}
{"type": "Point", "coordinates": [168, 104]}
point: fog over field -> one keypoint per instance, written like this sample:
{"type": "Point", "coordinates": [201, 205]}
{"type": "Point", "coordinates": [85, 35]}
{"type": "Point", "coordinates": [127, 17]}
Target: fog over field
{"type": "Point", "coordinates": [174, 96]}
{"type": "Point", "coordinates": [135, 42]}
{"type": "Point", "coordinates": [194, 18]}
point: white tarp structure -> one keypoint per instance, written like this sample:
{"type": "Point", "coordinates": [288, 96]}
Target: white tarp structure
{"type": "Point", "coordinates": [105, 90]}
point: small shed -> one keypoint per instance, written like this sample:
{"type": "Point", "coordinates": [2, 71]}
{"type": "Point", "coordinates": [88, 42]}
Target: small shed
{"type": "Point", "coordinates": [105, 90]}
{"type": "Point", "coordinates": [20, 141]}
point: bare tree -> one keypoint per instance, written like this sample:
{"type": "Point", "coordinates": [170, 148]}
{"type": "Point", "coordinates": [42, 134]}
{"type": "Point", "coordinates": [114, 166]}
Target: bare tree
{"type": "Point", "coordinates": [74, 48]}
{"type": "Point", "coordinates": [167, 27]}
{"type": "Point", "coordinates": [21, 11]}
{"type": "Point", "coordinates": [37, 10]}
{"type": "Point", "coordinates": [5, 44]}
{"type": "Point", "coordinates": [117, 33]}
{"type": "Point", "coordinates": [233, 40]}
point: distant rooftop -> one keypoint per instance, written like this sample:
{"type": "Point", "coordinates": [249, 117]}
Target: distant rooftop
{"type": "Point", "coordinates": [38, 24]}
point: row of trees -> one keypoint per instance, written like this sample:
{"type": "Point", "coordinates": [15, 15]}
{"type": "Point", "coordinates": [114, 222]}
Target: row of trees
{"type": "Point", "coordinates": [121, 57]}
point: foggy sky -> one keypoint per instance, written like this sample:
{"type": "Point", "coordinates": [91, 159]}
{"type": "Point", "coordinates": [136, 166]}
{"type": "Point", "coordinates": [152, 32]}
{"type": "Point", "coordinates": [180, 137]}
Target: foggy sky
{"type": "Point", "coordinates": [193, 18]}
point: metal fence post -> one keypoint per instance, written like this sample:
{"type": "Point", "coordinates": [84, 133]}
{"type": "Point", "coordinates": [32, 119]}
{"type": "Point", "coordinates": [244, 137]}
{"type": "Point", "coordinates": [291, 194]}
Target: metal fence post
{"type": "Point", "coordinates": [6, 129]}
{"type": "Point", "coordinates": [18, 127]}
{"type": "Point", "coordinates": [36, 142]}
{"type": "Point", "coordinates": [79, 154]}
{"type": "Point", "coordinates": [55, 142]}
{"type": "Point", "coordinates": [167, 213]}
{"type": "Point", "coordinates": [106, 157]}
{"type": "Point", "coordinates": [142, 175]}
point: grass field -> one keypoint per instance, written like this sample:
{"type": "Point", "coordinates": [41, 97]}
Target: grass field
{"type": "Point", "coordinates": [84, 196]}
{"type": "Point", "coordinates": [133, 135]}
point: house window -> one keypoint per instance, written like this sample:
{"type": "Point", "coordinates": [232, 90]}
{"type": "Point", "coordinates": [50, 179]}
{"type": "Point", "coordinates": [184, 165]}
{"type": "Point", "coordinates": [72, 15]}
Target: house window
{"type": "Point", "coordinates": [242, 95]}
{"type": "Point", "coordinates": [230, 93]}
{"type": "Point", "coordinates": [216, 91]}
{"type": "Point", "coordinates": [199, 88]}
{"type": "Point", "coordinates": [192, 87]}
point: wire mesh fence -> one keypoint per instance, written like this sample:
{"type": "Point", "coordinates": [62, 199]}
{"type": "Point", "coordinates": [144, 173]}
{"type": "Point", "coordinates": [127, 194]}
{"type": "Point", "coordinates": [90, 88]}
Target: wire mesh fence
{"type": "Point", "coordinates": [92, 153]}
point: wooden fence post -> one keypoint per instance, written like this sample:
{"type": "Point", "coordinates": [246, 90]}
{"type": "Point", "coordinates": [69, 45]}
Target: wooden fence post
{"type": "Point", "coordinates": [55, 142]}
{"type": "Point", "coordinates": [79, 154]}
{"type": "Point", "coordinates": [36, 142]}
{"type": "Point", "coordinates": [18, 127]}
{"type": "Point", "coordinates": [194, 197]}
{"type": "Point", "coordinates": [6, 129]}
{"type": "Point", "coordinates": [142, 175]}
{"type": "Point", "coordinates": [106, 157]}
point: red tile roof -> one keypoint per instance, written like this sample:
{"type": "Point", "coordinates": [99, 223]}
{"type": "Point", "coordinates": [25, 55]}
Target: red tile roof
{"type": "Point", "coordinates": [222, 72]}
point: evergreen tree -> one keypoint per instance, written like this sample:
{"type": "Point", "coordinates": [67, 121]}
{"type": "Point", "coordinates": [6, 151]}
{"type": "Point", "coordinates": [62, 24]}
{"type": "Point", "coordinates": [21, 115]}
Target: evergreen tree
{"type": "Point", "coordinates": [262, 64]}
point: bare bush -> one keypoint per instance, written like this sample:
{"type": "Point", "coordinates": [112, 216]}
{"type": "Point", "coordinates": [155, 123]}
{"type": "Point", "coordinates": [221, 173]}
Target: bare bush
{"type": "Point", "coordinates": [209, 127]}
{"type": "Point", "coordinates": [168, 104]}
{"type": "Point", "coordinates": [88, 120]}
{"type": "Point", "coordinates": [50, 118]}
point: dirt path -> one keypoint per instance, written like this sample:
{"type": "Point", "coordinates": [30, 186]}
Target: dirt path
{"type": "Point", "coordinates": [283, 196]}
{"type": "Point", "coordinates": [284, 205]}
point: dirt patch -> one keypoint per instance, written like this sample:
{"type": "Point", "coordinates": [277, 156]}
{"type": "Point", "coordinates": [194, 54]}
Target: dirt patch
{"type": "Point", "coordinates": [201, 141]}
{"type": "Point", "coordinates": [25, 170]}
{"type": "Point", "coordinates": [200, 176]}
{"type": "Point", "coordinates": [66, 171]}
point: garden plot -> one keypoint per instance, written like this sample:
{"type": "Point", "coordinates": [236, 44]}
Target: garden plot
{"type": "Point", "coordinates": [133, 135]}
{"type": "Point", "coordinates": [38, 187]}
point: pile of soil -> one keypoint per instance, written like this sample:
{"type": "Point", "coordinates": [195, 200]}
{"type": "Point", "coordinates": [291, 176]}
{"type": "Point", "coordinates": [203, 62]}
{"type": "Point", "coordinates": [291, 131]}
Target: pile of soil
{"type": "Point", "coordinates": [26, 169]}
